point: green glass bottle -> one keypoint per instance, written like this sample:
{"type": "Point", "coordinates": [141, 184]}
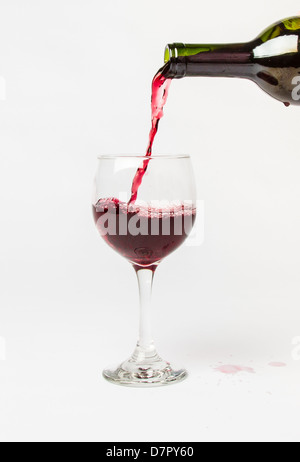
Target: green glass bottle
{"type": "Point", "coordinates": [272, 60]}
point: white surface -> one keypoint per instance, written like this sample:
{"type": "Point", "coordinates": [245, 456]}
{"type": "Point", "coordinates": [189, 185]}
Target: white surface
{"type": "Point", "coordinates": [77, 76]}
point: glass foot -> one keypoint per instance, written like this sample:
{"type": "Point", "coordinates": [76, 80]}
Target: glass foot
{"type": "Point", "coordinates": [144, 369]}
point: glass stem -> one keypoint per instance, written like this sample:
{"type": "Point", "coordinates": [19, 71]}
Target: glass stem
{"type": "Point", "coordinates": [145, 281]}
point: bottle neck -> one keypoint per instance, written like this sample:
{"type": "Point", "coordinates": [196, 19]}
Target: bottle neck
{"type": "Point", "coordinates": [186, 60]}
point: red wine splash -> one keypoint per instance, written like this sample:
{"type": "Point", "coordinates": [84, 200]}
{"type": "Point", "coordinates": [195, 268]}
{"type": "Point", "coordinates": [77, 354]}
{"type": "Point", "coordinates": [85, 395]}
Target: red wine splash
{"type": "Point", "coordinates": [160, 89]}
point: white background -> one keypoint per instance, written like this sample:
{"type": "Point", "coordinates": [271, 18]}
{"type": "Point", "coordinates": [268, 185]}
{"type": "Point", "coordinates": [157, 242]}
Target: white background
{"type": "Point", "coordinates": [78, 75]}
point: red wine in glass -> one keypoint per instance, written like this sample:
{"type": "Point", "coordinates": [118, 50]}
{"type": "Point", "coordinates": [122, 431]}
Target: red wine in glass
{"type": "Point", "coordinates": [145, 232]}
{"type": "Point", "coordinates": [143, 235]}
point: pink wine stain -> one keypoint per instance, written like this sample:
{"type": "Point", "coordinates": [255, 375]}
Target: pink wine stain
{"type": "Point", "coordinates": [229, 369]}
{"type": "Point", "coordinates": [277, 364]}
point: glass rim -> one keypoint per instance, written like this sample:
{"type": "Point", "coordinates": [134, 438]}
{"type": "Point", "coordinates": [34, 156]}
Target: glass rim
{"type": "Point", "coordinates": [137, 156]}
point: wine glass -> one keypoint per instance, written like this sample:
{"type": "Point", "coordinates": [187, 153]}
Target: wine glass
{"type": "Point", "coordinates": [144, 220]}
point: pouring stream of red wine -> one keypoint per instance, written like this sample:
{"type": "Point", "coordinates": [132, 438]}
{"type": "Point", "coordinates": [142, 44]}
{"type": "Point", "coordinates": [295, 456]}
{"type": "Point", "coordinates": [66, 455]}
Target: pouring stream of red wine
{"type": "Point", "coordinates": [160, 89]}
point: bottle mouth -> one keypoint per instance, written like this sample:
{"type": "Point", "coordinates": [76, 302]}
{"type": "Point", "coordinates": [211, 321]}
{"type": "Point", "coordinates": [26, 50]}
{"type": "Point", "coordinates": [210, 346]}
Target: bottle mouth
{"type": "Point", "coordinates": [174, 50]}
{"type": "Point", "coordinates": [167, 55]}
{"type": "Point", "coordinates": [175, 61]}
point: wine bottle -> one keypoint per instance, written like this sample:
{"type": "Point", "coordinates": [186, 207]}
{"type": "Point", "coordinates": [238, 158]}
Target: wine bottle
{"type": "Point", "coordinates": [272, 60]}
